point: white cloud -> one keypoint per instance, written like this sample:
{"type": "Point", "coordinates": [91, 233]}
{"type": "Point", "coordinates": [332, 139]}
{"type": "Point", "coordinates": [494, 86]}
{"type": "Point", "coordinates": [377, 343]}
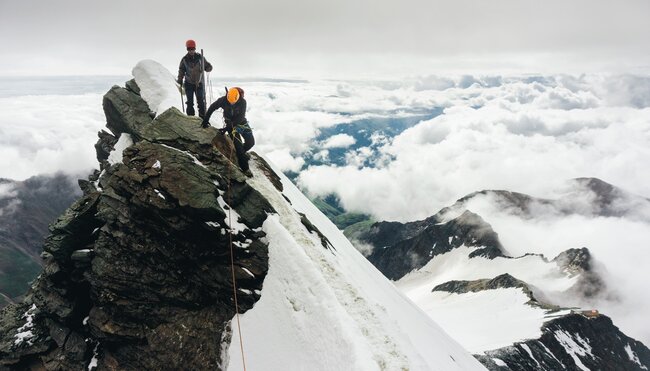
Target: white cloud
{"type": "Point", "coordinates": [339, 141]}
{"type": "Point", "coordinates": [285, 161]}
{"type": "Point", "coordinates": [46, 134]}
{"type": "Point", "coordinates": [516, 135]}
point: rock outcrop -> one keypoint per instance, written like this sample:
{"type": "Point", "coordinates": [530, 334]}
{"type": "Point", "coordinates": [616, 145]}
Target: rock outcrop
{"type": "Point", "coordinates": [137, 271]}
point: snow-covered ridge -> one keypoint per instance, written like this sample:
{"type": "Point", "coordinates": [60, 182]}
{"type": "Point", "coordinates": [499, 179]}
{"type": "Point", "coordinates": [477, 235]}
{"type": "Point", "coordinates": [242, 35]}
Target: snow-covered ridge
{"type": "Point", "coordinates": [331, 309]}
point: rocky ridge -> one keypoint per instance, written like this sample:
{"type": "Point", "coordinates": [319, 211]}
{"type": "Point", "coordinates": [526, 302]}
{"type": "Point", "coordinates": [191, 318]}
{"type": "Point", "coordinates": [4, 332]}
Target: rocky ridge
{"type": "Point", "coordinates": [137, 271]}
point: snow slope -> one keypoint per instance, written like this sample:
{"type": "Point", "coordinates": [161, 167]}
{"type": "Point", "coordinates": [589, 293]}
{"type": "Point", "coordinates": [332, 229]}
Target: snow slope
{"type": "Point", "coordinates": [330, 309]}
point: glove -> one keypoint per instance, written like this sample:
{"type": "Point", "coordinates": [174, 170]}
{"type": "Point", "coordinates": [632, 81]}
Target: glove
{"type": "Point", "coordinates": [222, 130]}
{"type": "Point", "coordinates": [205, 124]}
{"type": "Point", "coordinates": [180, 81]}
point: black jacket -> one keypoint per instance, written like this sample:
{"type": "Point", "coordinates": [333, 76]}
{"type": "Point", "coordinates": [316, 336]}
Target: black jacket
{"type": "Point", "coordinates": [233, 114]}
{"type": "Point", "coordinates": [190, 68]}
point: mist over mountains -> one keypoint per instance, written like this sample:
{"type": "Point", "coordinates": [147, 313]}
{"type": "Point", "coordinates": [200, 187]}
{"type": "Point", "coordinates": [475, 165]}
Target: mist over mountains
{"type": "Point", "coordinates": [433, 148]}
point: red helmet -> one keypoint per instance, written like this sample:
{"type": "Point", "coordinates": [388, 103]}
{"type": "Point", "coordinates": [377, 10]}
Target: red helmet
{"type": "Point", "coordinates": [190, 44]}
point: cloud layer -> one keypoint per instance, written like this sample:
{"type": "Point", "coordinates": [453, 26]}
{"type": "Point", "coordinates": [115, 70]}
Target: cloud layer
{"type": "Point", "coordinates": [46, 134]}
{"type": "Point", "coordinates": [329, 38]}
{"type": "Point", "coordinates": [522, 134]}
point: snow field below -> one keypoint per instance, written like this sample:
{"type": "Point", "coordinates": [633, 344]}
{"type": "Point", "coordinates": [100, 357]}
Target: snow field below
{"type": "Point", "coordinates": [487, 320]}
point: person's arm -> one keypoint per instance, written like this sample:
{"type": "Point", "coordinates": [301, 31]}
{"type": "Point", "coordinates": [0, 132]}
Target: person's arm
{"type": "Point", "coordinates": [207, 66]}
{"type": "Point", "coordinates": [213, 107]}
{"type": "Point", "coordinates": [181, 71]}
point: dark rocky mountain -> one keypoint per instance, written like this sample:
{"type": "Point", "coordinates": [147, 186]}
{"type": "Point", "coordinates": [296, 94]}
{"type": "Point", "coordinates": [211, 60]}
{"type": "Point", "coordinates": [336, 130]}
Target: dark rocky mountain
{"type": "Point", "coordinates": [169, 310]}
{"type": "Point", "coordinates": [573, 342]}
{"type": "Point", "coordinates": [502, 281]}
{"type": "Point", "coordinates": [26, 209]}
{"type": "Point", "coordinates": [420, 241]}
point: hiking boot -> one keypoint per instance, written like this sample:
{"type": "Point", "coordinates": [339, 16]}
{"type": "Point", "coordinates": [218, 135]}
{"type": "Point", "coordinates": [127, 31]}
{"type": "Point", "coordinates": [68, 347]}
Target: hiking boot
{"type": "Point", "coordinates": [248, 173]}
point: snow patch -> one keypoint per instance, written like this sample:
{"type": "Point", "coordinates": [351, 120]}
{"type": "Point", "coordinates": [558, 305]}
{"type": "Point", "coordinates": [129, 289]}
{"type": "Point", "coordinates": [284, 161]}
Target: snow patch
{"type": "Point", "coordinates": [159, 194]}
{"type": "Point", "coordinates": [499, 362]}
{"type": "Point", "coordinates": [25, 333]}
{"type": "Point", "coordinates": [94, 361]}
{"type": "Point", "coordinates": [156, 165]}
{"type": "Point", "coordinates": [530, 353]}
{"type": "Point", "coordinates": [124, 142]}
{"type": "Point", "coordinates": [633, 357]}
{"type": "Point", "coordinates": [157, 86]}
{"type": "Point", "coordinates": [232, 217]}
{"type": "Point", "coordinates": [248, 272]}
{"type": "Point", "coordinates": [575, 346]}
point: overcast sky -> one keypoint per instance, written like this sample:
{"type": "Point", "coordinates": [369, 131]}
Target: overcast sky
{"type": "Point", "coordinates": [331, 38]}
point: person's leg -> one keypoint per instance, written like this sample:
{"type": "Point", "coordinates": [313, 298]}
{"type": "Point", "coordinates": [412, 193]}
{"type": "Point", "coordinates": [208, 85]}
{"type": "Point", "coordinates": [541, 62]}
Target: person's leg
{"type": "Point", "coordinates": [200, 100]}
{"type": "Point", "coordinates": [249, 140]}
{"type": "Point", "coordinates": [189, 93]}
{"type": "Point", "coordinates": [241, 153]}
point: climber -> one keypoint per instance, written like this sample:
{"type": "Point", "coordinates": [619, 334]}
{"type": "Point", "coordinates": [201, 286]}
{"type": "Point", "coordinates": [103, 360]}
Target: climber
{"type": "Point", "coordinates": [234, 115]}
{"type": "Point", "coordinates": [191, 69]}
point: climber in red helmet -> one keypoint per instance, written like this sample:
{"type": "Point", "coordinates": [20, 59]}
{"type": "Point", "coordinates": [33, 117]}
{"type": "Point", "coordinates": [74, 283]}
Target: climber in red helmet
{"type": "Point", "coordinates": [191, 70]}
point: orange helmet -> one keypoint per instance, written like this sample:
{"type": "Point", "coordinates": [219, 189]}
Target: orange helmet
{"type": "Point", "coordinates": [233, 95]}
{"type": "Point", "coordinates": [190, 44]}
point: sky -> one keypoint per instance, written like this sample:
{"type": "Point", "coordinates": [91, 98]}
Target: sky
{"type": "Point", "coordinates": [327, 39]}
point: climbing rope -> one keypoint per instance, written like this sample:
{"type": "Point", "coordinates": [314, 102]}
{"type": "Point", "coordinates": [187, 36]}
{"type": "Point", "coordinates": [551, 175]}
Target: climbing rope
{"type": "Point", "coordinates": [232, 264]}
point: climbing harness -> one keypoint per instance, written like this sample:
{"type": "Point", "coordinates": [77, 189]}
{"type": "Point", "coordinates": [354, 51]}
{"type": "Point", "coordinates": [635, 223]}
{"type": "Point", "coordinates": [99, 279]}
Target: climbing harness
{"type": "Point", "coordinates": [232, 264]}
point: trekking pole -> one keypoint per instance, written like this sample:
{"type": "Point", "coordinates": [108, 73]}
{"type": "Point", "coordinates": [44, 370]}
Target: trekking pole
{"type": "Point", "coordinates": [182, 99]}
{"type": "Point", "coordinates": [203, 76]}
{"type": "Point", "coordinates": [210, 87]}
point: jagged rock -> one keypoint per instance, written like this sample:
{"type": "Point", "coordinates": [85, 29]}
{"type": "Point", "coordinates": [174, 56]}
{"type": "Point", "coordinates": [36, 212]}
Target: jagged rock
{"type": "Point", "coordinates": [400, 248]}
{"type": "Point", "coordinates": [133, 86]}
{"type": "Point", "coordinates": [572, 342]}
{"type": "Point", "coordinates": [138, 269]}
{"type": "Point", "coordinates": [104, 145]}
{"type": "Point", "coordinates": [125, 111]}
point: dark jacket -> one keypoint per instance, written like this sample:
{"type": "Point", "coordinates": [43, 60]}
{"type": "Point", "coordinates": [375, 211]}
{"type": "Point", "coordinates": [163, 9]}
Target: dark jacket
{"type": "Point", "coordinates": [190, 68]}
{"type": "Point", "coordinates": [233, 114]}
